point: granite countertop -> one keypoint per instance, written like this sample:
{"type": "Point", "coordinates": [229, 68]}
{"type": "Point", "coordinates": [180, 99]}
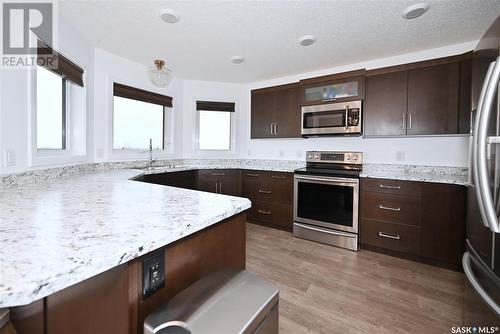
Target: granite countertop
{"type": "Point", "coordinates": [450, 175]}
{"type": "Point", "coordinates": [62, 231]}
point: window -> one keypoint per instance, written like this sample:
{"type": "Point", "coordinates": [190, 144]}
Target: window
{"type": "Point", "coordinates": [140, 116]}
{"type": "Point", "coordinates": [51, 110]}
{"type": "Point", "coordinates": [135, 122]}
{"type": "Point", "coordinates": [215, 122]}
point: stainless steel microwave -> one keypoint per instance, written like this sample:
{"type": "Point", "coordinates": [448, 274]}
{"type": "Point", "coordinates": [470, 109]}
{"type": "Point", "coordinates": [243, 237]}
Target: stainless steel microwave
{"type": "Point", "coordinates": [332, 119]}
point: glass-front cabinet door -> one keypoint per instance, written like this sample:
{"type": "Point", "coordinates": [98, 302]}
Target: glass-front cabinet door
{"type": "Point", "coordinates": [339, 90]}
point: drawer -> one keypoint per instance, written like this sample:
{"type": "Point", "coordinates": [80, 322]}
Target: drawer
{"type": "Point", "coordinates": [270, 187]}
{"type": "Point", "coordinates": [398, 237]}
{"type": "Point", "coordinates": [387, 186]}
{"type": "Point", "coordinates": [391, 208]}
{"type": "Point", "coordinates": [276, 214]}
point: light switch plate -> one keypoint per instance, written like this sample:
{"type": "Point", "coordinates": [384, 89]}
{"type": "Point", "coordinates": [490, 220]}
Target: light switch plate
{"type": "Point", "coordinates": [10, 157]}
{"type": "Point", "coordinates": [400, 155]}
{"type": "Point", "coordinates": [153, 273]}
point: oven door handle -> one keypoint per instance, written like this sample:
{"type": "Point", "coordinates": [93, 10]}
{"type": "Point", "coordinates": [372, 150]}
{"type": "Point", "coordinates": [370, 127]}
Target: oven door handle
{"type": "Point", "coordinates": [322, 230]}
{"type": "Point", "coordinates": [326, 179]}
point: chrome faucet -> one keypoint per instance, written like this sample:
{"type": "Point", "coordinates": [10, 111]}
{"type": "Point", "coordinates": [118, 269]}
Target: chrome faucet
{"type": "Point", "coordinates": [151, 161]}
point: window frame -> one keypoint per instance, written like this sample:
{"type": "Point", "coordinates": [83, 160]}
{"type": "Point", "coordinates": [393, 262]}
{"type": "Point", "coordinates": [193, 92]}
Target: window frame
{"type": "Point", "coordinates": [75, 150]}
{"type": "Point", "coordinates": [169, 134]}
{"type": "Point", "coordinates": [232, 136]}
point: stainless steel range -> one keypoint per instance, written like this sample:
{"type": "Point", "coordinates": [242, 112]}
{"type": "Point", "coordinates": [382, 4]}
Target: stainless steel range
{"type": "Point", "coordinates": [326, 197]}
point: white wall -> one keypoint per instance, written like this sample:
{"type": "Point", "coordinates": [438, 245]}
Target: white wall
{"type": "Point", "coordinates": [212, 91]}
{"type": "Point", "coordinates": [450, 151]}
{"type": "Point", "coordinates": [15, 105]}
{"type": "Point", "coordinates": [111, 68]}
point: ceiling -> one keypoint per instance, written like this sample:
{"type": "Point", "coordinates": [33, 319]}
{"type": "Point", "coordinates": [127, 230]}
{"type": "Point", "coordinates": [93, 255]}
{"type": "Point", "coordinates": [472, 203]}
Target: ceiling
{"type": "Point", "coordinates": [266, 33]}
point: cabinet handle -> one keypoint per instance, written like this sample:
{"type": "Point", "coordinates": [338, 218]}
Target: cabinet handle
{"type": "Point", "coordinates": [390, 187]}
{"type": "Point", "coordinates": [264, 212]}
{"type": "Point", "coordinates": [404, 122]}
{"type": "Point", "coordinates": [409, 125]}
{"type": "Point", "coordinates": [272, 128]}
{"type": "Point", "coordinates": [275, 128]}
{"type": "Point", "coordinates": [389, 236]}
{"type": "Point", "coordinates": [328, 100]}
{"type": "Point", "coordinates": [216, 187]}
{"type": "Point", "coordinates": [277, 177]}
{"type": "Point", "coordinates": [253, 175]}
{"type": "Point", "coordinates": [220, 187]}
{"type": "Point", "coordinates": [388, 208]}
{"type": "Point", "coordinates": [346, 117]}
{"type": "Point", "coordinates": [265, 191]}
{"type": "Point", "coordinates": [218, 174]}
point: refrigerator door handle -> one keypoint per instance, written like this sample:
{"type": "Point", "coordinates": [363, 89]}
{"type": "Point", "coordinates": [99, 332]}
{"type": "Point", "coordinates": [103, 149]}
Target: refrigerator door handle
{"type": "Point", "coordinates": [481, 179]}
{"type": "Point", "coordinates": [466, 262]}
{"type": "Point", "coordinates": [474, 143]}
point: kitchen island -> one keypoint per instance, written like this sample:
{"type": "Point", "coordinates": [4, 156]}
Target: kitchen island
{"type": "Point", "coordinates": [72, 248]}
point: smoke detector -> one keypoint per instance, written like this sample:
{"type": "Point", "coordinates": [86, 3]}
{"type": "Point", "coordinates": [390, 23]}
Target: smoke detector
{"type": "Point", "coordinates": [237, 60]}
{"type": "Point", "coordinates": [169, 16]}
{"type": "Point", "coordinates": [415, 11]}
{"type": "Point", "coordinates": [307, 40]}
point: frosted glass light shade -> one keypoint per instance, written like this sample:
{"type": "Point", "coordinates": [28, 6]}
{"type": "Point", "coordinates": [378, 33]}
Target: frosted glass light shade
{"type": "Point", "coordinates": [160, 77]}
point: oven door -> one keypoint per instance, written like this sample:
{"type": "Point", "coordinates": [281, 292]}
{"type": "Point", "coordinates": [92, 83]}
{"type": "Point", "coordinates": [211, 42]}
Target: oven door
{"type": "Point", "coordinates": [329, 202]}
{"type": "Point", "coordinates": [337, 118]}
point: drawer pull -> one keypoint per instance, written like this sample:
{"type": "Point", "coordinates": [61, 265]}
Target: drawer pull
{"type": "Point", "coordinates": [253, 175]}
{"type": "Point", "coordinates": [218, 174]}
{"type": "Point", "coordinates": [265, 191]}
{"type": "Point", "coordinates": [264, 212]}
{"type": "Point", "coordinates": [277, 177]}
{"type": "Point", "coordinates": [389, 187]}
{"type": "Point", "coordinates": [389, 208]}
{"type": "Point", "coordinates": [390, 236]}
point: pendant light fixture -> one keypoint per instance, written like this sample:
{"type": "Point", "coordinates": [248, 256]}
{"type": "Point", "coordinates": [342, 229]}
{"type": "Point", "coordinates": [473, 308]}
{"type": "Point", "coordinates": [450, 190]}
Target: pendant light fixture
{"type": "Point", "coordinates": [159, 75]}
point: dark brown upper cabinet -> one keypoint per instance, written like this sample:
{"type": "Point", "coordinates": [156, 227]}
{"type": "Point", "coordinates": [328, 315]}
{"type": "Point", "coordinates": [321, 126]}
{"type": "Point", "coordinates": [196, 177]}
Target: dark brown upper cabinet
{"type": "Point", "coordinates": [275, 112]}
{"type": "Point", "coordinates": [341, 87]}
{"type": "Point", "coordinates": [425, 98]}
{"type": "Point", "coordinates": [385, 104]}
{"type": "Point", "coordinates": [433, 100]}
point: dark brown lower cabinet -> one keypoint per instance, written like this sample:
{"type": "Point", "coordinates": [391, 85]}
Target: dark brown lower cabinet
{"type": "Point", "coordinates": [417, 220]}
{"type": "Point", "coordinates": [443, 225]}
{"type": "Point", "coordinates": [112, 302]}
{"type": "Point", "coordinates": [271, 194]}
{"type": "Point", "coordinates": [220, 181]}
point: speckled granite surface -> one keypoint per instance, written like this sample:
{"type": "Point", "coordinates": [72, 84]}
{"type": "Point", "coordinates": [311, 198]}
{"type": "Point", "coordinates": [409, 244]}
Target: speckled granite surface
{"type": "Point", "coordinates": [437, 174]}
{"type": "Point", "coordinates": [62, 231]}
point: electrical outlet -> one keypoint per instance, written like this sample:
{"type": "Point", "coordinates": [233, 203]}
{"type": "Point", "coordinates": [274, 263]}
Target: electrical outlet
{"type": "Point", "coordinates": [153, 274]}
{"type": "Point", "coordinates": [299, 154]}
{"type": "Point", "coordinates": [249, 153]}
{"type": "Point", "coordinates": [100, 153]}
{"type": "Point", "coordinates": [282, 153]}
{"type": "Point", "coordinates": [10, 157]}
{"type": "Point", "coordinates": [400, 155]}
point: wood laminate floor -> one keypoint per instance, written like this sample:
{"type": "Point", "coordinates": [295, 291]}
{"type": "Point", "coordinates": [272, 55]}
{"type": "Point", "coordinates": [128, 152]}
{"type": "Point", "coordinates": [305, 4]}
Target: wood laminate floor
{"type": "Point", "coordinates": [325, 289]}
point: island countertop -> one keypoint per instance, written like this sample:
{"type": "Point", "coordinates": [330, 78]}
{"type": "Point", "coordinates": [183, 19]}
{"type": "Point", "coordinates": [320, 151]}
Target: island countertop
{"type": "Point", "coordinates": [62, 231]}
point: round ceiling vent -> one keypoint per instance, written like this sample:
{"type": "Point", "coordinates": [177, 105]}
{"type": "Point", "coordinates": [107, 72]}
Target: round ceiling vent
{"type": "Point", "coordinates": [307, 40]}
{"type": "Point", "coordinates": [169, 16]}
{"type": "Point", "coordinates": [237, 60]}
{"type": "Point", "coordinates": [415, 11]}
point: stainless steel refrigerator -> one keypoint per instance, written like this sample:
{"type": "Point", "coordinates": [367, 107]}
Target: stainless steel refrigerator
{"type": "Point", "coordinates": [481, 261]}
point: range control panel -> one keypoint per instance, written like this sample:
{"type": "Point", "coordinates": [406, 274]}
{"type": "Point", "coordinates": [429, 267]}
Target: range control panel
{"type": "Point", "coordinates": [335, 157]}
{"type": "Point", "coordinates": [153, 274]}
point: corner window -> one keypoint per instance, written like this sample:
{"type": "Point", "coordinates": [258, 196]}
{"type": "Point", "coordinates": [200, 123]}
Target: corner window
{"type": "Point", "coordinates": [140, 116]}
{"type": "Point", "coordinates": [215, 125]}
{"type": "Point", "coordinates": [51, 110]}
